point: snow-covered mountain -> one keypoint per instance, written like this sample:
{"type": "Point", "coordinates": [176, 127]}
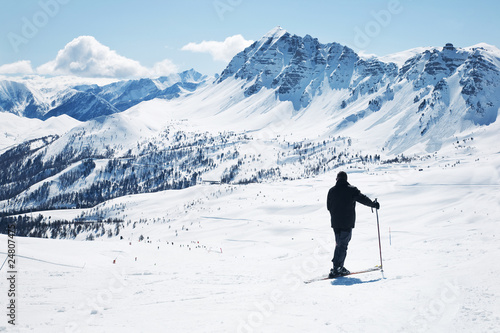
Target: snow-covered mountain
{"type": "Point", "coordinates": [436, 92]}
{"type": "Point", "coordinates": [299, 68]}
{"type": "Point", "coordinates": [125, 94]}
{"type": "Point", "coordinates": [88, 101]}
{"type": "Point", "coordinates": [286, 107]}
{"type": "Point", "coordinates": [17, 98]}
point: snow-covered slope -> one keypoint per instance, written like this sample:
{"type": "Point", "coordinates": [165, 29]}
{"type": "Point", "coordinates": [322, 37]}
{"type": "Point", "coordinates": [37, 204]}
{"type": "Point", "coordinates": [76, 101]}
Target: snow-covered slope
{"type": "Point", "coordinates": [15, 130]}
{"type": "Point", "coordinates": [226, 258]}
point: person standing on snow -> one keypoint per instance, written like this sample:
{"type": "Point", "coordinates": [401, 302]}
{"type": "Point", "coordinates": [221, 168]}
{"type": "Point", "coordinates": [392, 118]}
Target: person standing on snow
{"type": "Point", "coordinates": [341, 202]}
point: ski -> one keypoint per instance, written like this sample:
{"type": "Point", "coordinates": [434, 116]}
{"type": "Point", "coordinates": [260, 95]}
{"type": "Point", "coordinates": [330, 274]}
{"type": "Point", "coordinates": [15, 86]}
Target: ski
{"type": "Point", "coordinates": [376, 268]}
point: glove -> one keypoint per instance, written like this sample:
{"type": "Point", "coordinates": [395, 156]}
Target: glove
{"type": "Point", "coordinates": [376, 205]}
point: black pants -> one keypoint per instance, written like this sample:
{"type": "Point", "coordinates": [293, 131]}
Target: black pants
{"type": "Point", "coordinates": [342, 238]}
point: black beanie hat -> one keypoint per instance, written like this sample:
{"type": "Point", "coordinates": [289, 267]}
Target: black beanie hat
{"type": "Point", "coordinates": [342, 176]}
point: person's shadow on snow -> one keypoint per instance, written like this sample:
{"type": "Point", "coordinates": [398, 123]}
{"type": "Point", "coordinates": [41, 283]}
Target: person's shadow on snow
{"type": "Point", "coordinates": [349, 281]}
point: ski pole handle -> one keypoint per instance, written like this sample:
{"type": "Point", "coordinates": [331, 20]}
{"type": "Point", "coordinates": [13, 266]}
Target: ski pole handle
{"type": "Point", "coordinates": [374, 201]}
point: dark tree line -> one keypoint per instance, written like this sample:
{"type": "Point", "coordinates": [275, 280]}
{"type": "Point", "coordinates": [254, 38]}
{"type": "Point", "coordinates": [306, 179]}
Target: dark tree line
{"type": "Point", "coordinates": [27, 226]}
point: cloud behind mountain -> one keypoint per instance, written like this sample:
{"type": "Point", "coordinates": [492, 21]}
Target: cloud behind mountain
{"type": "Point", "coordinates": [19, 67]}
{"type": "Point", "coordinates": [85, 56]}
{"type": "Point", "coordinates": [220, 51]}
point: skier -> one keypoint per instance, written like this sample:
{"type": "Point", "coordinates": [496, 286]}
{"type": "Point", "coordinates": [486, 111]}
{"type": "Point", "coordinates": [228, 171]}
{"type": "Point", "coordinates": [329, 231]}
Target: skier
{"type": "Point", "coordinates": [341, 202]}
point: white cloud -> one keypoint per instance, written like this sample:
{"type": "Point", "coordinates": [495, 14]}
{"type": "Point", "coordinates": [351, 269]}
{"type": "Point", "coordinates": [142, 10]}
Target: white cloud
{"type": "Point", "coordinates": [19, 67]}
{"type": "Point", "coordinates": [163, 68]}
{"type": "Point", "coordinates": [85, 56]}
{"type": "Point", "coordinates": [223, 51]}
{"type": "Point", "coordinates": [364, 55]}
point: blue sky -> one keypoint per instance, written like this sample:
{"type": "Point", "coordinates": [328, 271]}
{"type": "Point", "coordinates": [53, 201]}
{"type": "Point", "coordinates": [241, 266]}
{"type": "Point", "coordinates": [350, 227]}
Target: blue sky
{"type": "Point", "coordinates": [153, 34]}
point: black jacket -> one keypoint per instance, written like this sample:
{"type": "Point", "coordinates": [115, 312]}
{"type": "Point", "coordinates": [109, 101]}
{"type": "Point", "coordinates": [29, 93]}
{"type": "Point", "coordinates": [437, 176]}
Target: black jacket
{"type": "Point", "coordinates": [341, 203]}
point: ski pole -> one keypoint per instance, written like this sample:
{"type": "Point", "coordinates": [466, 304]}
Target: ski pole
{"type": "Point", "coordinates": [379, 243]}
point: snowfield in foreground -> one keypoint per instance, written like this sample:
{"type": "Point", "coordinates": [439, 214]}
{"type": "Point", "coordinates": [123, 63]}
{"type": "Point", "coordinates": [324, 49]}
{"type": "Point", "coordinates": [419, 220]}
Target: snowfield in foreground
{"type": "Point", "coordinates": [224, 258]}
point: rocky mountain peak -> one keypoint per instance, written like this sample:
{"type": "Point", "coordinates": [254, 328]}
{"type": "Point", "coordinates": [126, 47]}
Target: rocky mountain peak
{"type": "Point", "coordinates": [298, 67]}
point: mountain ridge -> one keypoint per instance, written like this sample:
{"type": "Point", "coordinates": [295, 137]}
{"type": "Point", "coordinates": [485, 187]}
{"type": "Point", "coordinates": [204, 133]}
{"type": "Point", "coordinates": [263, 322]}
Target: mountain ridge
{"type": "Point", "coordinates": [88, 101]}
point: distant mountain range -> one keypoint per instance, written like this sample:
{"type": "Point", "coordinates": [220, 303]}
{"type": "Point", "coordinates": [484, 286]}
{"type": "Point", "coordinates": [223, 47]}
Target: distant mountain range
{"type": "Point", "coordinates": [85, 102]}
